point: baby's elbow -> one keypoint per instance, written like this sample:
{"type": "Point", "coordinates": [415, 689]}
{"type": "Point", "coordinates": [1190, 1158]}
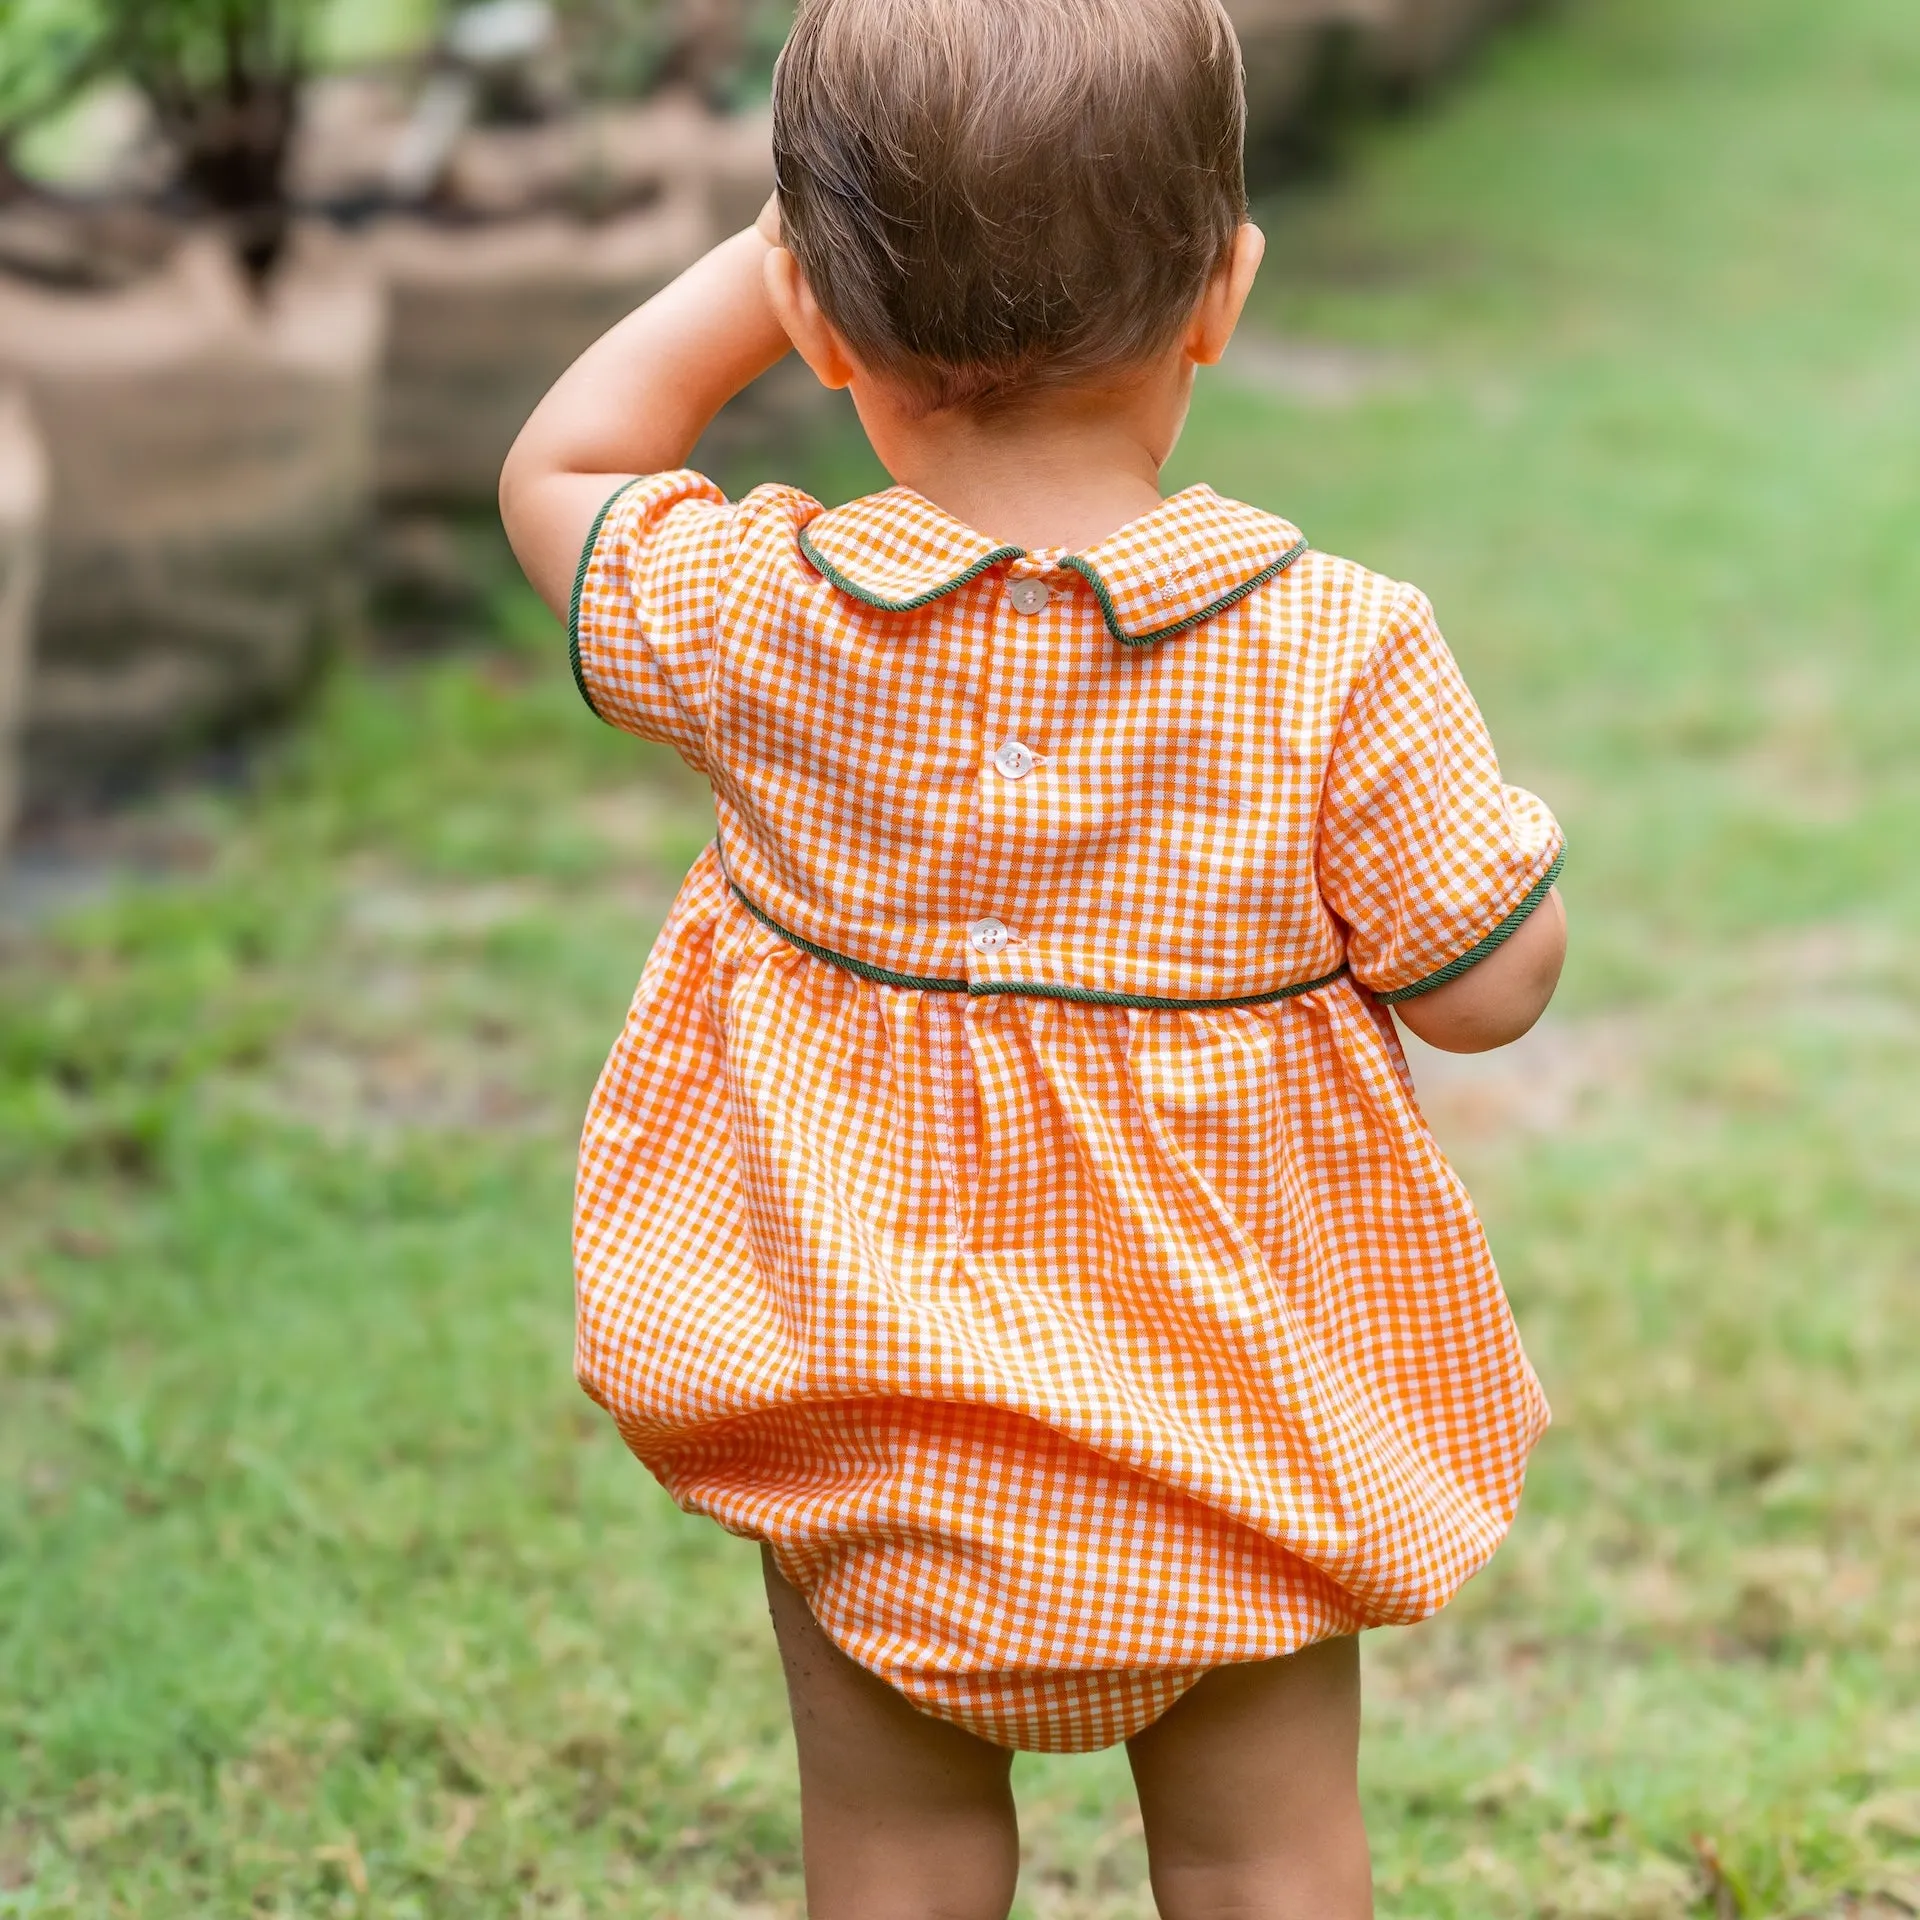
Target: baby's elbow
{"type": "Point", "coordinates": [1501, 1000]}
{"type": "Point", "coordinates": [517, 476]}
{"type": "Point", "coordinates": [1474, 1029]}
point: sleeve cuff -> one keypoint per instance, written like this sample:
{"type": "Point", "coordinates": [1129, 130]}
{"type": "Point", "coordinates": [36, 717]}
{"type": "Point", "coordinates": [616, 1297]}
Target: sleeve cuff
{"type": "Point", "coordinates": [1497, 939]}
{"type": "Point", "coordinates": [579, 588]}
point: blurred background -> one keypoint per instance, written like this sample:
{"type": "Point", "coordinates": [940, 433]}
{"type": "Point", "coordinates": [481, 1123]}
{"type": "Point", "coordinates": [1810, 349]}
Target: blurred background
{"type": "Point", "coordinates": [322, 1591]}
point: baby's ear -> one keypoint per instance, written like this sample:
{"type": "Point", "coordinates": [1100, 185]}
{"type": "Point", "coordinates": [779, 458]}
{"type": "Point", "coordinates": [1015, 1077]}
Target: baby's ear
{"type": "Point", "coordinates": [1225, 299]}
{"type": "Point", "coordinates": [814, 336]}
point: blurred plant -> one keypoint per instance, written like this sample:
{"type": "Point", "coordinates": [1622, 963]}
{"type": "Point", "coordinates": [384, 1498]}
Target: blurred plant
{"type": "Point", "coordinates": [221, 77]}
{"type": "Point", "coordinates": [722, 49]}
{"type": "Point", "coordinates": [617, 48]}
{"type": "Point", "coordinates": [49, 50]}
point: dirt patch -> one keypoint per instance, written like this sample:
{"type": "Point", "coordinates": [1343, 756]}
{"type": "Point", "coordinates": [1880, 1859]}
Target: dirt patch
{"type": "Point", "coordinates": [347, 1087]}
{"type": "Point", "coordinates": [1319, 374]}
{"type": "Point", "coordinates": [65, 864]}
{"type": "Point", "coordinates": [1540, 1085]}
{"type": "Point", "coordinates": [1078, 1869]}
{"type": "Point", "coordinates": [1802, 768]}
{"type": "Point", "coordinates": [30, 1324]}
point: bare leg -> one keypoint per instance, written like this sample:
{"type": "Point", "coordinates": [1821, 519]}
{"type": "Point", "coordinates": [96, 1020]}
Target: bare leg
{"type": "Point", "coordinates": [1249, 1793]}
{"type": "Point", "coordinates": [903, 1816]}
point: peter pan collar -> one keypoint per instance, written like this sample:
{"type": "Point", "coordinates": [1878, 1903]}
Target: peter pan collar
{"type": "Point", "coordinates": [1192, 557]}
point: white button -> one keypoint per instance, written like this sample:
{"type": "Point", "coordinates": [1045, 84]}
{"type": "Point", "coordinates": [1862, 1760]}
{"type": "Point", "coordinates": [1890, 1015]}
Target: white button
{"type": "Point", "coordinates": [987, 936]}
{"type": "Point", "coordinates": [1028, 596]}
{"type": "Point", "coordinates": [1015, 760]}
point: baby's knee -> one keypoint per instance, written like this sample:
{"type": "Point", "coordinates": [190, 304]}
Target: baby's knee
{"type": "Point", "coordinates": [917, 1880]}
{"type": "Point", "coordinates": [1331, 1888]}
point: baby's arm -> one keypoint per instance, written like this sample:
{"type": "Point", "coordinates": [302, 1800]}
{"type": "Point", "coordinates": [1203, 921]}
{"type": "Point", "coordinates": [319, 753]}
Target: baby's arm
{"type": "Point", "coordinates": [634, 403]}
{"type": "Point", "coordinates": [1493, 1004]}
{"type": "Point", "coordinates": [1441, 872]}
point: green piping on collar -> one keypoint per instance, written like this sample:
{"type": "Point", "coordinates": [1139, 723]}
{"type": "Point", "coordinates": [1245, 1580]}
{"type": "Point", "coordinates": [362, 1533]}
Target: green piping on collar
{"type": "Point", "coordinates": [1497, 939]}
{"type": "Point", "coordinates": [1018, 989]}
{"type": "Point", "coordinates": [919, 600]}
{"type": "Point", "coordinates": [579, 587]}
{"type": "Point", "coordinates": [1226, 600]}
{"type": "Point", "coordinates": [1075, 564]}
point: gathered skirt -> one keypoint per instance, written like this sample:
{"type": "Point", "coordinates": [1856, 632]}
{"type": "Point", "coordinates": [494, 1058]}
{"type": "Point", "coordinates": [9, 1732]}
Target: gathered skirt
{"type": "Point", "coordinates": [1059, 1353]}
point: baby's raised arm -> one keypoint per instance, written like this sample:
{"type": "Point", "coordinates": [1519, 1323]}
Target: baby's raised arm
{"type": "Point", "coordinates": [635, 403]}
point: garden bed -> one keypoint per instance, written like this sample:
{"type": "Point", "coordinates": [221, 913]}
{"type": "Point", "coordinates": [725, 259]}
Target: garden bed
{"type": "Point", "coordinates": [23, 526]}
{"type": "Point", "coordinates": [211, 454]}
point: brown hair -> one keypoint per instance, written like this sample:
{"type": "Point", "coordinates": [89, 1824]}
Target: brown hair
{"type": "Point", "coordinates": [993, 196]}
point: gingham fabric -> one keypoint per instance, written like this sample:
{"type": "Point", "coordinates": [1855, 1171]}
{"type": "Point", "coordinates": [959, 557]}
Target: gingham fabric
{"type": "Point", "coordinates": [1063, 1337]}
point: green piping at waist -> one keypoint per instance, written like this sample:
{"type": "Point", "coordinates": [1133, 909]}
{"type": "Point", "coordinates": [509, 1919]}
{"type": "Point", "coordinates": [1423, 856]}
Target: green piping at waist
{"type": "Point", "coordinates": [1018, 989]}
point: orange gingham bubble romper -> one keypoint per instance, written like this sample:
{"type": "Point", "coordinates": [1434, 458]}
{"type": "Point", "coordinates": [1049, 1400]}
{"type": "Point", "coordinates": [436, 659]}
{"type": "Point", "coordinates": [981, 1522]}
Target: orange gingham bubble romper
{"type": "Point", "coordinates": [1007, 1198]}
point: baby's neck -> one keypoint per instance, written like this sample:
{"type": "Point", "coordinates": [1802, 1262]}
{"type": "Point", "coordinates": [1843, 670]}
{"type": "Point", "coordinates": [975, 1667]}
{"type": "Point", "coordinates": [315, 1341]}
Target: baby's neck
{"type": "Point", "coordinates": [1063, 473]}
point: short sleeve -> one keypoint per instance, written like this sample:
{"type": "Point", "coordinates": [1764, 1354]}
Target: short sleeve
{"type": "Point", "coordinates": [1427, 856]}
{"type": "Point", "coordinates": [645, 601]}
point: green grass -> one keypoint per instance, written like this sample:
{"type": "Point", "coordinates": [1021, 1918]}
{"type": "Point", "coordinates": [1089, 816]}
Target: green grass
{"type": "Point", "coordinates": [321, 1590]}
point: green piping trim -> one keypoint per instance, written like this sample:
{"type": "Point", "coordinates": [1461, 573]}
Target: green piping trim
{"type": "Point", "coordinates": [1072, 565]}
{"type": "Point", "coordinates": [919, 600]}
{"type": "Point", "coordinates": [1017, 989]}
{"type": "Point", "coordinates": [579, 587]}
{"type": "Point", "coordinates": [880, 976]}
{"type": "Point", "coordinates": [1497, 939]}
{"type": "Point", "coordinates": [1226, 600]}
{"type": "Point", "coordinates": [1146, 1002]}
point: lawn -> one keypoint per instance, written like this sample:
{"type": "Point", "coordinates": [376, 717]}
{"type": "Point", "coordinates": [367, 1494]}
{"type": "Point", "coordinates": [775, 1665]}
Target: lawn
{"type": "Point", "coordinates": [322, 1591]}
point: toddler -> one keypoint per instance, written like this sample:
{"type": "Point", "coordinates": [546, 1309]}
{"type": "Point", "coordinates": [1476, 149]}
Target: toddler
{"type": "Point", "coordinates": [1007, 1202]}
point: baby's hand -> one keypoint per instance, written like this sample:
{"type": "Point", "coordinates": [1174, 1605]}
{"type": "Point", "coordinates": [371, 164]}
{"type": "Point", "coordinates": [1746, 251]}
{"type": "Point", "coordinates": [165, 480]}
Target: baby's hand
{"type": "Point", "coordinates": [768, 225]}
{"type": "Point", "coordinates": [636, 402]}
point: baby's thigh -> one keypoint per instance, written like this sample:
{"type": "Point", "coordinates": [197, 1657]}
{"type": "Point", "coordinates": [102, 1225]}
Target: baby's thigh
{"type": "Point", "coordinates": [901, 1815]}
{"type": "Point", "coordinates": [1249, 1792]}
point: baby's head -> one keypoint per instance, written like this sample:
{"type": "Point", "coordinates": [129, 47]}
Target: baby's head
{"type": "Point", "coordinates": [991, 199]}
